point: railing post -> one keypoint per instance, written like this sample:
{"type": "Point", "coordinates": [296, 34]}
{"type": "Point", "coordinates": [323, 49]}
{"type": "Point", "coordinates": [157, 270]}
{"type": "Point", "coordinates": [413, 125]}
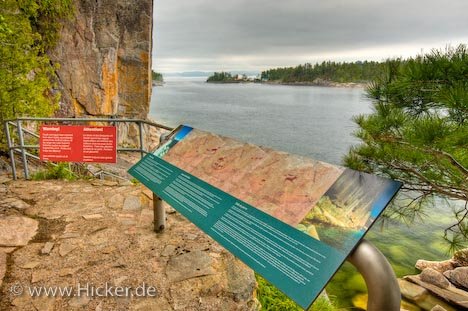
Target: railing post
{"type": "Point", "coordinates": [10, 150]}
{"type": "Point", "coordinates": [140, 126]}
{"type": "Point", "coordinates": [23, 152]}
{"type": "Point", "coordinates": [159, 214]}
{"type": "Point", "coordinates": [382, 285]}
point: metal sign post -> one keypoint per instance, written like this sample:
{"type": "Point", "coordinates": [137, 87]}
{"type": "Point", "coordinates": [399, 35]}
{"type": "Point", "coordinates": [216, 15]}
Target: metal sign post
{"type": "Point", "coordinates": [382, 285]}
{"type": "Point", "coordinates": [159, 214]}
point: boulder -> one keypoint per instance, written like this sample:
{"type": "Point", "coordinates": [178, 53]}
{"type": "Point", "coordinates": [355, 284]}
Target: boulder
{"type": "Point", "coordinates": [434, 277]}
{"type": "Point", "coordinates": [459, 276]}
{"type": "Point", "coordinates": [411, 291]}
{"type": "Point", "coordinates": [241, 280]}
{"type": "Point", "coordinates": [439, 295]}
{"type": "Point", "coordinates": [440, 266]}
{"type": "Point", "coordinates": [461, 257]}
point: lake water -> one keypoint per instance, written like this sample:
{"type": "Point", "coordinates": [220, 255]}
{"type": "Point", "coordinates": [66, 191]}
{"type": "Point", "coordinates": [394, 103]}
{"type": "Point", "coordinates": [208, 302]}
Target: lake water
{"type": "Point", "coordinates": [311, 121]}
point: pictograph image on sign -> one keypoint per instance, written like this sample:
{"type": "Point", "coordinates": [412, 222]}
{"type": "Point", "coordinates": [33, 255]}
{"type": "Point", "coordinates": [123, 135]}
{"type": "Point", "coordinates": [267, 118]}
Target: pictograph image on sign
{"type": "Point", "coordinates": [292, 219]}
{"type": "Point", "coordinates": [75, 143]}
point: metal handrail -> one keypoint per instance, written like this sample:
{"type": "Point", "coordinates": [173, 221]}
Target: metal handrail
{"type": "Point", "coordinates": [22, 148]}
{"type": "Point", "coordinates": [121, 120]}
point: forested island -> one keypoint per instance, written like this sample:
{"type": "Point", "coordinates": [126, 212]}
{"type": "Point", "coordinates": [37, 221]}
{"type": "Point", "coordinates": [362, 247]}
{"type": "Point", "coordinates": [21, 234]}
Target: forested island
{"type": "Point", "coordinates": [157, 78]}
{"type": "Point", "coordinates": [227, 77]}
{"type": "Point", "coordinates": [325, 74]}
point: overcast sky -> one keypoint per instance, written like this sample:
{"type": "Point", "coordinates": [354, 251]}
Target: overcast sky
{"type": "Point", "coordinates": [214, 35]}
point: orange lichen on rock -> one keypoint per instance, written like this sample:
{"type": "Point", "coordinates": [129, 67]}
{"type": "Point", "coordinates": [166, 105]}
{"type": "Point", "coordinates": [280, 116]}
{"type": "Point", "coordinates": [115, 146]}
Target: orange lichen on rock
{"type": "Point", "coordinates": [78, 109]}
{"type": "Point", "coordinates": [110, 85]}
{"type": "Point", "coordinates": [144, 56]}
{"type": "Point", "coordinates": [104, 53]}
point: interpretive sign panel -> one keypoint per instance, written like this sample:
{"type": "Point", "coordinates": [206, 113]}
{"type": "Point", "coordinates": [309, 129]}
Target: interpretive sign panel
{"type": "Point", "coordinates": [292, 219]}
{"type": "Point", "coordinates": [77, 143]}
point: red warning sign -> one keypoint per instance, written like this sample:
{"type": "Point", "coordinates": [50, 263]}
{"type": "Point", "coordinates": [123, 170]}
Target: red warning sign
{"type": "Point", "coordinates": [77, 143]}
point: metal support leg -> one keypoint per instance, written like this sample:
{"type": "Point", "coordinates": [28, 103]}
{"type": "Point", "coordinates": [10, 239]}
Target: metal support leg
{"type": "Point", "coordinates": [10, 150]}
{"type": "Point", "coordinates": [23, 152]}
{"type": "Point", "coordinates": [140, 127]}
{"type": "Point", "coordinates": [382, 285]}
{"type": "Point", "coordinates": [159, 214]}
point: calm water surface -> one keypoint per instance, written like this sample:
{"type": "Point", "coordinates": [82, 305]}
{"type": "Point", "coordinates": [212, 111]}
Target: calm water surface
{"type": "Point", "coordinates": [312, 121]}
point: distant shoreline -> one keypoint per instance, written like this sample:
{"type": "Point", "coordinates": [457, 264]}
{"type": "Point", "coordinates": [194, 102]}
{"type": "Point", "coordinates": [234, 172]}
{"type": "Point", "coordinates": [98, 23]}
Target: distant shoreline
{"type": "Point", "coordinates": [322, 83]}
{"type": "Point", "coordinates": [319, 83]}
{"type": "Point", "coordinates": [157, 83]}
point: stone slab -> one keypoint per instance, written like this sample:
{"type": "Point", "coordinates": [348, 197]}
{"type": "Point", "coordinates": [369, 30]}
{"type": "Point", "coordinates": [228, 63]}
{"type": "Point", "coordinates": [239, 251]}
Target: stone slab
{"type": "Point", "coordinates": [189, 265]}
{"type": "Point", "coordinates": [457, 297]}
{"type": "Point", "coordinates": [17, 230]}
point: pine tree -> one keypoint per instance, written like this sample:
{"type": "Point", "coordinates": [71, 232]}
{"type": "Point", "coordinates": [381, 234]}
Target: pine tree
{"type": "Point", "coordinates": [418, 132]}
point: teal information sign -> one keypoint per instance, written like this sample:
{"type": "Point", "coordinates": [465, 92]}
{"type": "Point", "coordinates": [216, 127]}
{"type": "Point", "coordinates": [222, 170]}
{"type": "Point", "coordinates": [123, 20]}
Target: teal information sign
{"type": "Point", "coordinates": [276, 241]}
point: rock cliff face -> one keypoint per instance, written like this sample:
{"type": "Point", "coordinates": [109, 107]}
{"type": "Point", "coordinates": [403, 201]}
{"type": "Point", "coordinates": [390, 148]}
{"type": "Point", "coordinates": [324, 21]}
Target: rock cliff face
{"type": "Point", "coordinates": [104, 58]}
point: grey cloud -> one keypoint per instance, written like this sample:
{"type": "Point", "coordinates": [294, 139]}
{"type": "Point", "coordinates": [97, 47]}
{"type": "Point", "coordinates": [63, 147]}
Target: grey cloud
{"type": "Point", "coordinates": [212, 29]}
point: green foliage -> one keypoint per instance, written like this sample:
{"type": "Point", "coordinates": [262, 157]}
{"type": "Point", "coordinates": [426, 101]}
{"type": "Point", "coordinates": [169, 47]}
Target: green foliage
{"type": "Point", "coordinates": [134, 181]}
{"type": "Point", "coordinates": [329, 71]}
{"type": "Point", "coordinates": [27, 29]}
{"type": "Point", "coordinates": [273, 299]}
{"type": "Point", "coordinates": [221, 77]}
{"type": "Point", "coordinates": [46, 18]}
{"type": "Point", "coordinates": [156, 76]}
{"type": "Point", "coordinates": [59, 171]}
{"type": "Point", "coordinates": [418, 131]}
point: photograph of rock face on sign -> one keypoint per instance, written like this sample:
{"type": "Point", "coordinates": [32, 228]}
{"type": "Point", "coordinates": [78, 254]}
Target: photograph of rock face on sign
{"type": "Point", "coordinates": [330, 203]}
{"type": "Point", "coordinates": [282, 185]}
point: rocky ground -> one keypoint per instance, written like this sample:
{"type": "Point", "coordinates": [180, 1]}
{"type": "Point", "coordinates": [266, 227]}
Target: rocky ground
{"type": "Point", "coordinates": [440, 283]}
{"type": "Point", "coordinates": [61, 234]}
